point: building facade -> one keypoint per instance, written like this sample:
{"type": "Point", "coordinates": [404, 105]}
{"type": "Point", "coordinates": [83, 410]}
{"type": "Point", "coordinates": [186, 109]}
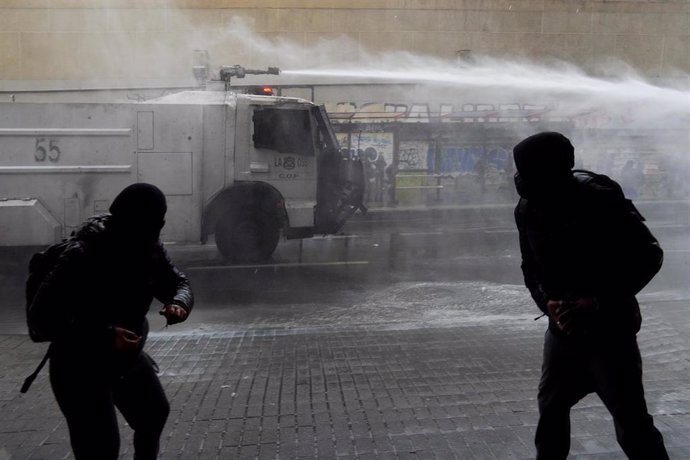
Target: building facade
{"type": "Point", "coordinates": [47, 41]}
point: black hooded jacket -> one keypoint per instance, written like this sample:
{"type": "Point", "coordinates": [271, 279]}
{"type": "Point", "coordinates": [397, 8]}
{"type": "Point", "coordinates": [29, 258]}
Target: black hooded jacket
{"type": "Point", "coordinates": [100, 282]}
{"type": "Point", "coordinates": [585, 239]}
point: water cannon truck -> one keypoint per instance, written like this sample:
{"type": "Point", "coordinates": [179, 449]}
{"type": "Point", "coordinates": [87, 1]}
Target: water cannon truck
{"type": "Point", "coordinates": [243, 169]}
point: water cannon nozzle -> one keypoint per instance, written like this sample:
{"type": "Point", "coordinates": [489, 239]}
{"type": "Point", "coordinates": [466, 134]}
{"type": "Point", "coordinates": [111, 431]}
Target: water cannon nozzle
{"type": "Point", "coordinates": [237, 71]}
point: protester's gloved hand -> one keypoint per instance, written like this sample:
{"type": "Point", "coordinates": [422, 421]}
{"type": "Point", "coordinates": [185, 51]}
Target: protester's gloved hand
{"type": "Point", "coordinates": [126, 340]}
{"type": "Point", "coordinates": [174, 313]}
{"type": "Point", "coordinates": [572, 317]}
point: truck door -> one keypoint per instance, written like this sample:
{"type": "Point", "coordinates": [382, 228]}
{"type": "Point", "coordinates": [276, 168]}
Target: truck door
{"type": "Point", "coordinates": [276, 145]}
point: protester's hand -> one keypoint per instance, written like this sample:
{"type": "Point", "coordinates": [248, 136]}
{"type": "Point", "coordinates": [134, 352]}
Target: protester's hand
{"type": "Point", "coordinates": [554, 309]}
{"type": "Point", "coordinates": [174, 313]}
{"type": "Point", "coordinates": [126, 340]}
{"type": "Point", "coordinates": [573, 316]}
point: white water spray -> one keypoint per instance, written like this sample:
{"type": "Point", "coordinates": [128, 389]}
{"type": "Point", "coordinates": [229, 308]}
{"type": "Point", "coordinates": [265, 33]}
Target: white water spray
{"type": "Point", "coordinates": [564, 86]}
{"type": "Point", "coordinates": [622, 93]}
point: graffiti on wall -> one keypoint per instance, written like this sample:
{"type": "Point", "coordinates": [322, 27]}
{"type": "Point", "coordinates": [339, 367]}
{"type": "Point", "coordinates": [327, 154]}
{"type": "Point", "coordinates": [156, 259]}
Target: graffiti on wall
{"type": "Point", "coordinates": [419, 155]}
{"type": "Point", "coordinates": [413, 155]}
{"type": "Point", "coordinates": [378, 112]}
{"type": "Point", "coordinates": [368, 146]}
{"type": "Point", "coordinates": [383, 112]}
{"type": "Point", "coordinates": [475, 159]}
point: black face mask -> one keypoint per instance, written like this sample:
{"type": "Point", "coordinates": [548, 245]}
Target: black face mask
{"type": "Point", "coordinates": [520, 186]}
{"type": "Point", "coordinates": [135, 237]}
{"type": "Point", "coordinates": [542, 189]}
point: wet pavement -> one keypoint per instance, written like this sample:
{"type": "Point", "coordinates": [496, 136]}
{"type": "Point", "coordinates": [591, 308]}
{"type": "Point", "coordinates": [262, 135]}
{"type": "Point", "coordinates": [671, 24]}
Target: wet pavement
{"type": "Point", "coordinates": [378, 344]}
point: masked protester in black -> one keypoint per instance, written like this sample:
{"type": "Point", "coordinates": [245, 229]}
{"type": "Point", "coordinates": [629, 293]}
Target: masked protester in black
{"type": "Point", "coordinates": [93, 307]}
{"type": "Point", "coordinates": [579, 268]}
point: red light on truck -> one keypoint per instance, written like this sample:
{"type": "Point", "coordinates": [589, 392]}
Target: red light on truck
{"type": "Point", "coordinates": [260, 90]}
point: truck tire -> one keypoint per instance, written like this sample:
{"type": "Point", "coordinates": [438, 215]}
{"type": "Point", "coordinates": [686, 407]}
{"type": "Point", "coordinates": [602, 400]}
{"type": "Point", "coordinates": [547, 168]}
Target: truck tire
{"type": "Point", "coordinates": [248, 236]}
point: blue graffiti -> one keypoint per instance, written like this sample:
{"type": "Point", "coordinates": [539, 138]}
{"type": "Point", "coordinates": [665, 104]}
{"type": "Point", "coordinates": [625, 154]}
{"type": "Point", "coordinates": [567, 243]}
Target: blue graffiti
{"type": "Point", "coordinates": [469, 159]}
{"type": "Point", "coordinates": [500, 158]}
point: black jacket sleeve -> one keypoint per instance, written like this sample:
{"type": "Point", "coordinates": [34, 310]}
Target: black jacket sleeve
{"type": "Point", "coordinates": [170, 284]}
{"type": "Point", "coordinates": [530, 269]}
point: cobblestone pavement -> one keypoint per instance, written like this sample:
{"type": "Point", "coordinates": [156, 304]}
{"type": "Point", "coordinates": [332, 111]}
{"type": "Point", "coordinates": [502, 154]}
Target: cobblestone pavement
{"type": "Point", "coordinates": [464, 391]}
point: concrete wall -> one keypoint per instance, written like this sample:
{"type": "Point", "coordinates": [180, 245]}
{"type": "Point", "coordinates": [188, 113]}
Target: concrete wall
{"type": "Point", "coordinates": [47, 41]}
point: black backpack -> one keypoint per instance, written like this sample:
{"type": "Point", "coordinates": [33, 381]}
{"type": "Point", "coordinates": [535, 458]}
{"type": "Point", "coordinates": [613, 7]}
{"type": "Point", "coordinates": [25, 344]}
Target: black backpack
{"type": "Point", "coordinates": [643, 255]}
{"type": "Point", "coordinates": [40, 265]}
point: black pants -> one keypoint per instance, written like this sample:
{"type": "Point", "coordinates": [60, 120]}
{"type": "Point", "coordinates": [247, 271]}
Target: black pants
{"type": "Point", "coordinates": [609, 366]}
{"type": "Point", "coordinates": [88, 390]}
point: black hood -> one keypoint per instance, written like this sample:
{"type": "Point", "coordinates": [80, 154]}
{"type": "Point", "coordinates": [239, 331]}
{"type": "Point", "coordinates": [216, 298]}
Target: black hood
{"type": "Point", "coordinates": [544, 163]}
{"type": "Point", "coordinates": [138, 215]}
{"type": "Point", "coordinates": [139, 203]}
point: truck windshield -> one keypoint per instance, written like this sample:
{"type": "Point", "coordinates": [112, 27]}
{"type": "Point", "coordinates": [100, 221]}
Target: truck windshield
{"type": "Point", "coordinates": [283, 130]}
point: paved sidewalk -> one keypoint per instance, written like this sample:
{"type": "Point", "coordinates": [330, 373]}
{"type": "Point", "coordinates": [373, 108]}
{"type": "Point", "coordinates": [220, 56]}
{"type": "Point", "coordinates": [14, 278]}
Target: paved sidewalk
{"type": "Point", "coordinates": [465, 392]}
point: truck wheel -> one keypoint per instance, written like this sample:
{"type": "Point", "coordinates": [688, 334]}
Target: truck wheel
{"type": "Point", "coordinates": [247, 237]}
